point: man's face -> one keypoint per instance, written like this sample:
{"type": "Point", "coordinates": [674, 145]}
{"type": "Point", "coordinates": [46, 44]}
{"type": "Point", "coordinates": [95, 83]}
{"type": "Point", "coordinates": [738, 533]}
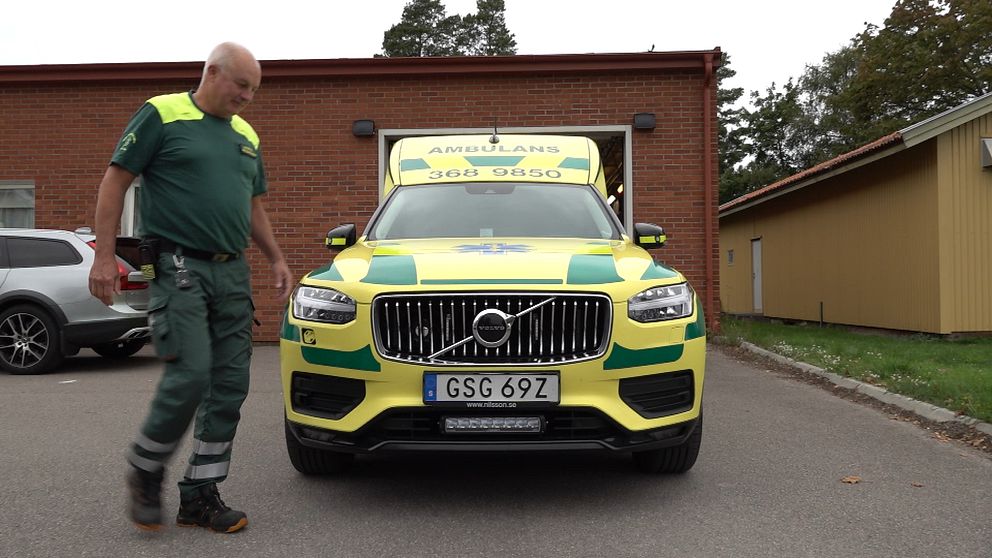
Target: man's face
{"type": "Point", "coordinates": [235, 86]}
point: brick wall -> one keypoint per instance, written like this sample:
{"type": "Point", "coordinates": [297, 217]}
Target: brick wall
{"type": "Point", "coordinates": [61, 135]}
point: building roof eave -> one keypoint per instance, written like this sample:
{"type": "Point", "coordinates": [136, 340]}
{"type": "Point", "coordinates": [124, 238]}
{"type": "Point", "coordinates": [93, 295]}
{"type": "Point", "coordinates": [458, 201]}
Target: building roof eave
{"type": "Point", "coordinates": [949, 119]}
{"type": "Point", "coordinates": [882, 147]}
{"type": "Point", "coordinates": [383, 66]}
{"type": "Point", "coordinates": [727, 210]}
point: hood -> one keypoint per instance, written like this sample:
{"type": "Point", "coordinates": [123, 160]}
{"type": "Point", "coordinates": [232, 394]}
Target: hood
{"type": "Point", "coordinates": [369, 268]}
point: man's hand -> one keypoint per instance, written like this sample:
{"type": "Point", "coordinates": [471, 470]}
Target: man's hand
{"type": "Point", "coordinates": [284, 279]}
{"type": "Point", "coordinates": [104, 280]}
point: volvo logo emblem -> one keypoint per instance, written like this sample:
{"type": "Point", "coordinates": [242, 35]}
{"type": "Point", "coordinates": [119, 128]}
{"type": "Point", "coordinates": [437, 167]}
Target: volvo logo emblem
{"type": "Point", "coordinates": [491, 328]}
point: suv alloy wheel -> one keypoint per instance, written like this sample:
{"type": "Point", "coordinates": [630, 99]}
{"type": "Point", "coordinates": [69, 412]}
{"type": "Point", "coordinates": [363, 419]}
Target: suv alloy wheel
{"type": "Point", "coordinates": [30, 342]}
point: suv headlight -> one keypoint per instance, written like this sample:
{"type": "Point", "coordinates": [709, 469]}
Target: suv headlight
{"type": "Point", "coordinates": [661, 303]}
{"type": "Point", "coordinates": [323, 305]}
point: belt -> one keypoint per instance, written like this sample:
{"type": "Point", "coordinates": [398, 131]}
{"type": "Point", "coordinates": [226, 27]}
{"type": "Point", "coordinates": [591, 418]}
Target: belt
{"type": "Point", "coordinates": [166, 245]}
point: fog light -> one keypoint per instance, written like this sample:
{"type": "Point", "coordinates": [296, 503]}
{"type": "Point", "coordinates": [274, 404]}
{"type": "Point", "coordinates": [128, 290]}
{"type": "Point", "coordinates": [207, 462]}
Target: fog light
{"type": "Point", "coordinates": [665, 433]}
{"type": "Point", "coordinates": [492, 424]}
{"type": "Point", "coordinates": [318, 435]}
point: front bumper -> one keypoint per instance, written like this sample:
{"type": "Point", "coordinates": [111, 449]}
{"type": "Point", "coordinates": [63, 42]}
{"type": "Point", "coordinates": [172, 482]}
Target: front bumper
{"type": "Point", "coordinates": [418, 429]}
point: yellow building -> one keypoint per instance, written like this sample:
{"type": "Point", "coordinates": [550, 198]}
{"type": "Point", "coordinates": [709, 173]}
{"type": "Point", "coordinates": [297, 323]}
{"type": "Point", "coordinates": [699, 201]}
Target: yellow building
{"type": "Point", "coordinates": [896, 234]}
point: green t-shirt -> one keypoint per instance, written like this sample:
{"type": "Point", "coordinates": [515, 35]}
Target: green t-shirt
{"type": "Point", "coordinates": [199, 173]}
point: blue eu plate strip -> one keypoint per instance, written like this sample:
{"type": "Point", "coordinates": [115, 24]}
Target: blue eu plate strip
{"type": "Point", "coordinates": [430, 387]}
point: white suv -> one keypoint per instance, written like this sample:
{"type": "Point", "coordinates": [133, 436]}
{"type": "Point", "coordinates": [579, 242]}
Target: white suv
{"type": "Point", "coordinates": [46, 309]}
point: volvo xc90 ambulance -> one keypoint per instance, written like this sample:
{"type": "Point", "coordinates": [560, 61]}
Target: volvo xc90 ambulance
{"type": "Point", "coordinates": [493, 303]}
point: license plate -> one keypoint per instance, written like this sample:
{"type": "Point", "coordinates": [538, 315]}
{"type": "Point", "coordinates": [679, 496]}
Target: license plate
{"type": "Point", "coordinates": [491, 390]}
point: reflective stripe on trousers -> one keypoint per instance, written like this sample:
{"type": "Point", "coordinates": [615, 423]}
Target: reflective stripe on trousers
{"type": "Point", "coordinates": [206, 472]}
{"type": "Point", "coordinates": [148, 455]}
{"type": "Point", "coordinates": [210, 448]}
{"type": "Point", "coordinates": [200, 467]}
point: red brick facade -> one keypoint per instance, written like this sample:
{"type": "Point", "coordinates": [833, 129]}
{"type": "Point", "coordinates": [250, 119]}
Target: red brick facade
{"type": "Point", "coordinates": [58, 126]}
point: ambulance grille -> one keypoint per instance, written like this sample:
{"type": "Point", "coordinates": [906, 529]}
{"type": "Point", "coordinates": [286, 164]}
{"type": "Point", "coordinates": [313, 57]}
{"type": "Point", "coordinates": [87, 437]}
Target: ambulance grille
{"type": "Point", "coordinates": [560, 328]}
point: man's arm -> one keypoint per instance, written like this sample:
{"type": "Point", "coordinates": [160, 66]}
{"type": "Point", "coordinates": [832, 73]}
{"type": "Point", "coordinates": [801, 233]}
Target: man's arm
{"type": "Point", "coordinates": [104, 280]}
{"type": "Point", "coordinates": [261, 233]}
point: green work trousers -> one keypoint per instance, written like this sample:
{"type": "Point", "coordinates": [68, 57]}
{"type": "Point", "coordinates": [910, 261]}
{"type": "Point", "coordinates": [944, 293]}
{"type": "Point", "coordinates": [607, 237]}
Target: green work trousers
{"type": "Point", "coordinates": [203, 333]}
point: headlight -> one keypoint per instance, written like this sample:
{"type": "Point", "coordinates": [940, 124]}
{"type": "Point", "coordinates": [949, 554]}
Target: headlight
{"type": "Point", "coordinates": [661, 303]}
{"type": "Point", "coordinates": [323, 305]}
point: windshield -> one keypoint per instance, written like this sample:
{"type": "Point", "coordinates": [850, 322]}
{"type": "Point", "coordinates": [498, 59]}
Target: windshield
{"type": "Point", "coordinates": [502, 209]}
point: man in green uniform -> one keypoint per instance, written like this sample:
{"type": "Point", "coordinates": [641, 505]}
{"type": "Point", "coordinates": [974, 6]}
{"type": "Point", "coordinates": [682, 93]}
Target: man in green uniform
{"type": "Point", "coordinates": [202, 181]}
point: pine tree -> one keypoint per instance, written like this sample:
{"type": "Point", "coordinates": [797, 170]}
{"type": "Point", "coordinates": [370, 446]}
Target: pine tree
{"type": "Point", "coordinates": [425, 29]}
{"type": "Point", "coordinates": [488, 29]}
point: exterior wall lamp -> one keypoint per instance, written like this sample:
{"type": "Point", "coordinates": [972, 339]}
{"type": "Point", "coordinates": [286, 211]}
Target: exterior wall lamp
{"type": "Point", "coordinates": [363, 128]}
{"type": "Point", "coordinates": [644, 121]}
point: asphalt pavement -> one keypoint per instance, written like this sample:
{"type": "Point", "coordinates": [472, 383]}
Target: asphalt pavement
{"type": "Point", "coordinates": [769, 482]}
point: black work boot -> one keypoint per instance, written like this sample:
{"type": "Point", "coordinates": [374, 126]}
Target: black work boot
{"type": "Point", "coordinates": [146, 503]}
{"type": "Point", "coordinates": [205, 508]}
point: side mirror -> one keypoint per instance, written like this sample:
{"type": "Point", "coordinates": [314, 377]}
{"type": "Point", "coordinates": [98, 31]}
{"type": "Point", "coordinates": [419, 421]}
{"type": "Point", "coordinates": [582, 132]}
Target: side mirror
{"type": "Point", "coordinates": [340, 237]}
{"type": "Point", "coordinates": [649, 236]}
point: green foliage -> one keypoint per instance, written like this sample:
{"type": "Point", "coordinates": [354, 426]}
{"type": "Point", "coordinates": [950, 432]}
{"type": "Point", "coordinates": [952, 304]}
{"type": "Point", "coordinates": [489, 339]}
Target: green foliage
{"type": "Point", "coordinates": [425, 29]}
{"type": "Point", "coordinates": [953, 374]}
{"type": "Point", "coordinates": [731, 149]}
{"type": "Point", "coordinates": [488, 31]}
{"type": "Point", "coordinates": [929, 56]}
{"type": "Point", "coordinates": [776, 137]}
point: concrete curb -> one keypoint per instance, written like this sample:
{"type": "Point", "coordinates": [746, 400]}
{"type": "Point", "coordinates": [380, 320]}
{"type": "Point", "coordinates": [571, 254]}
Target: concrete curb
{"type": "Point", "coordinates": [925, 410]}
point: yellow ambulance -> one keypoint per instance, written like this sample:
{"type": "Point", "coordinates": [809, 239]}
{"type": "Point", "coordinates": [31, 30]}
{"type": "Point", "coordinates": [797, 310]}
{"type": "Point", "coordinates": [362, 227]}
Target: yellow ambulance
{"type": "Point", "coordinates": [494, 302]}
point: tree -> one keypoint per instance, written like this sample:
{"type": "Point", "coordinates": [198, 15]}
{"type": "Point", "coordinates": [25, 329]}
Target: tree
{"type": "Point", "coordinates": [773, 137]}
{"type": "Point", "coordinates": [825, 88]}
{"type": "Point", "coordinates": [730, 146]}
{"type": "Point", "coordinates": [426, 30]}
{"type": "Point", "coordinates": [488, 29]}
{"type": "Point", "coordinates": [760, 144]}
{"type": "Point", "coordinates": [930, 56]}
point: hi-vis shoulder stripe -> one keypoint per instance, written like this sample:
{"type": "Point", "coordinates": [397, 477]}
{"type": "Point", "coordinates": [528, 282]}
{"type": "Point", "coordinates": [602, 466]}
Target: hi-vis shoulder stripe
{"type": "Point", "coordinates": [179, 106]}
{"type": "Point", "coordinates": [244, 128]}
{"type": "Point", "coordinates": [175, 107]}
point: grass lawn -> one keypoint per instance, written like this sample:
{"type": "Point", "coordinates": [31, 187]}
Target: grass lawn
{"type": "Point", "coordinates": [953, 373]}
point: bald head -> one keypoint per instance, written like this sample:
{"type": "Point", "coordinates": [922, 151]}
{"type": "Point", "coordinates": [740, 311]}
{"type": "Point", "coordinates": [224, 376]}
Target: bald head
{"type": "Point", "coordinates": [230, 77]}
{"type": "Point", "coordinates": [226, 55]}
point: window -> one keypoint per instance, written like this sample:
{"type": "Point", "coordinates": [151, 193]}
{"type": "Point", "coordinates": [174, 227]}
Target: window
{"type": "Point", "coordinates": [37, 252]}
{"type": "Point", "coordinates": [16, 204]}
{"type": "Point", "coordinates": [483, 210]}
{"type": "Point", "coordinates": [131, 216]}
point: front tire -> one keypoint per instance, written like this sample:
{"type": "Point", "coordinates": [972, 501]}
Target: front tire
{"type": "Point", "coordinates": [674, 460]}
{"type": "Point", "coordinates": [310, 461]}
{"type": "Point", "coordinates": [30, 340]}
